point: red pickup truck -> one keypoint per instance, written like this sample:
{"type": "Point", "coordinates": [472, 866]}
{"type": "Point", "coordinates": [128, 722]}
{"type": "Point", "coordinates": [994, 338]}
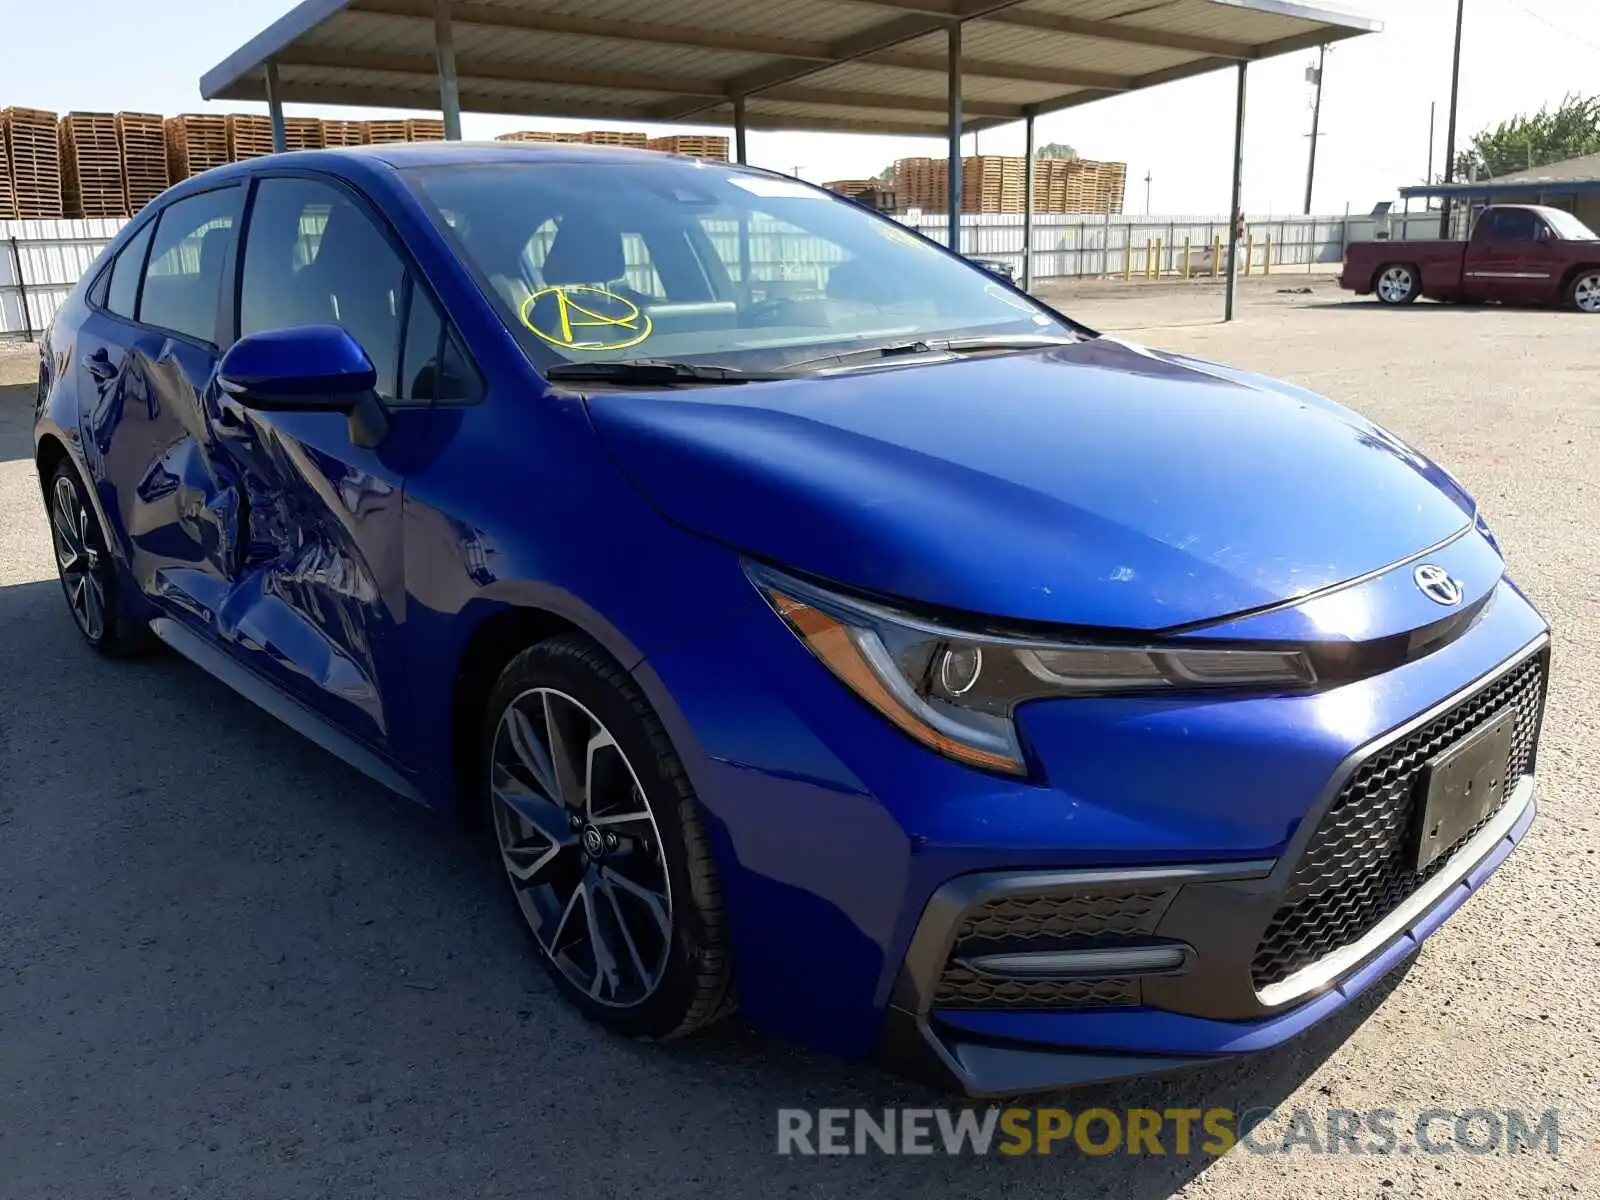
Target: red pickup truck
{"type": "Point", "coordinates": [1518, 253]}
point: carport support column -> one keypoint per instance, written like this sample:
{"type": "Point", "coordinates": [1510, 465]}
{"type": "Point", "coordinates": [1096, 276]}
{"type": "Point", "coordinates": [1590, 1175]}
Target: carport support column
{"type": "Point", "coordinates": [449, 88]}
{"type": "Point", "coordinates": [275, 107]}
{"type": "Point", "coordinates": [1027, 203]}
{"type": "Point", "coordinates": [953, 192]}
{"type": "Point", "coordinates": [738, 131]}
{"type": "Point", "coordinates": [1237, 209]}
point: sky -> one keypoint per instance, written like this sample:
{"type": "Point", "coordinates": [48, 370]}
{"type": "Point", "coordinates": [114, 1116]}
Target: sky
{"type": "Point", "coordinates": [1516, 56]}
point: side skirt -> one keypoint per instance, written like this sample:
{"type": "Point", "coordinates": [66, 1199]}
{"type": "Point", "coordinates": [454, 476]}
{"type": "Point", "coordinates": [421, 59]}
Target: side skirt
{"type": "Point", "coordinates": [287, 709]}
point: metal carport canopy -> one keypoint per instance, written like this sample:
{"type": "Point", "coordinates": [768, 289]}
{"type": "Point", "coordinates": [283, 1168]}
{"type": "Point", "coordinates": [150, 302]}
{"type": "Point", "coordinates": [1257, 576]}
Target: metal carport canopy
{"type": "Point", "coordinates": [873, 66]}
{"type": "Point", "coordinates": [931, 67]}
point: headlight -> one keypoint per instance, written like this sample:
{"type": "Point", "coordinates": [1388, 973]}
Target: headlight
{"type": "Point", "coordinates": [955, 692]}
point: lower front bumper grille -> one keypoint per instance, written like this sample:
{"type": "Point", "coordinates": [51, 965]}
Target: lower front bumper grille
{"type": "Point", "coordinates": [1067, 921]}
{"type": "Point", "coordinates": [1357, 867]}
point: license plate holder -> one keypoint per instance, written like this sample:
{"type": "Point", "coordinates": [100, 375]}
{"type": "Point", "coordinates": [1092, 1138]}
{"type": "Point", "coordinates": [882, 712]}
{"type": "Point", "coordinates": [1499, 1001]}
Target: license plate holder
{"type": "Point", "coordinates": [1463, 785]}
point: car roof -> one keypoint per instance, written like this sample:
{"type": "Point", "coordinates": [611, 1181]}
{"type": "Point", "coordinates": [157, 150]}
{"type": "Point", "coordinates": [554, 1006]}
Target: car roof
{"type": "Point", "coordinates": [400, 155]}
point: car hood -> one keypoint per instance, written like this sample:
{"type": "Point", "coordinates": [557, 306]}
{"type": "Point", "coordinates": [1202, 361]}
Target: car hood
{"type": "Point", "coordinates": [1099, 484]}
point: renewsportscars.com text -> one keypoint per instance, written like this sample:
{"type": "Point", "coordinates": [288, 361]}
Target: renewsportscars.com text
{"type": "Point", "coordinates": [1172, 1131]}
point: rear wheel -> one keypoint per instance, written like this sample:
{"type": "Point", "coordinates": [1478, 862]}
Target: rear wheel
{"type": "Point", "coordinates": [1397, 283]}
{"type": "Point", "coordinates": [88, 575]}
{"type": "Point", "coordinates": [1584, 294]}
{"type": "Point", "coordinates": [602, 842]}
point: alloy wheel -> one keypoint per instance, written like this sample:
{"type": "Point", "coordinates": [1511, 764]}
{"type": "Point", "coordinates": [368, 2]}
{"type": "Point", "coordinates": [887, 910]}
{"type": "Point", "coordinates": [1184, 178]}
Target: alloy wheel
{"type": "Point", "coordinates": [1395, 285]}
{"type": "Point", "coordinates": [80, 558]}
{"type": "Point", "coordinates": [581, 847]}
{"type": "Point", "coordinates": [1586, 292]}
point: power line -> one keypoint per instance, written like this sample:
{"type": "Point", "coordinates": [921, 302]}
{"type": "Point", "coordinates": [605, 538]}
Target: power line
{"type": "Point", "coordinates": [1544, 20]}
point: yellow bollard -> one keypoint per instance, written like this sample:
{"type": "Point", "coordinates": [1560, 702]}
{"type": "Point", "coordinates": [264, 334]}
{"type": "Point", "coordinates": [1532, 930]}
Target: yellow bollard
{"type": "Point", "coordinates": [1266, 258]}
{"type": "Point", "coordinates": [1186, 258]}
{"type": "Point", "coordinates": [1216, 256]}
{"type": "Point", "coordinates": [1153, 267]}
{"type": "Point", "coordinates": [1249, 251]}
{"type": "Point", "coordinates": [1127, 259]}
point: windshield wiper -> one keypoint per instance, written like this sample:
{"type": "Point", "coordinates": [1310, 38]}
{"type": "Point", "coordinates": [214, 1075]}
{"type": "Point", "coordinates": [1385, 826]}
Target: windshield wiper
{"type": "Point", "coordinates": [651, 371]}
{"type": "Point", "coordinates": [953, 345]}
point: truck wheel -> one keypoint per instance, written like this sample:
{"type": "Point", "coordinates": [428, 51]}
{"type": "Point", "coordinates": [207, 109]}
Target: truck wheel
{"type": "Point", "coordinates": [1585, 291]}
{"type": "Point", "coordinates": [1397, 284]}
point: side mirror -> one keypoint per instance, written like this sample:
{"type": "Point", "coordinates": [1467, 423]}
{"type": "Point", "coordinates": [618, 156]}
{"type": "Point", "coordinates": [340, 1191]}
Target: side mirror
{"type": "Point", "coordinates": [307, 368]}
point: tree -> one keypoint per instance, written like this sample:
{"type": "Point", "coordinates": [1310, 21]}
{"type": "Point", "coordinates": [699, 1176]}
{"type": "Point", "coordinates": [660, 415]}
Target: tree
{"type": "Point", "coordinates": [1056, 150]}
{"type": "Point", "coordinates": [886, 173]}
{"type": "Point", "coordinates": [1523, 141]}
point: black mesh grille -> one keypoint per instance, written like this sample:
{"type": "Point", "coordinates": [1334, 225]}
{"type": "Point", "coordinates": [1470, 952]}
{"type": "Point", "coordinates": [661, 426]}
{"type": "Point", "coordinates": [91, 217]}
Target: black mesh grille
{"type": "Point", "coordinates": [960, 988]}
{"type": "Point", "coordinates": [1358, 865]}
{"type": "Point", "coordinates": [1076, 915]}
{"type": "Point", "coordinates": [1070, 920]}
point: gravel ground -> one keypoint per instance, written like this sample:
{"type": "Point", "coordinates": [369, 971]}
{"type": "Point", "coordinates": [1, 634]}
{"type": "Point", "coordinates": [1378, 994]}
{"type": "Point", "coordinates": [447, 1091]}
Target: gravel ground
{"type": "Point", "coordinates": [235, 968]}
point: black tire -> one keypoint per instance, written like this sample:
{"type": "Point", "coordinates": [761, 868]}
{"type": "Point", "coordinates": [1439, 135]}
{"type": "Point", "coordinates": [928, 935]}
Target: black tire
{"type": "Point", "coordinates": [1397, 283]}
{"type": "Point", "coordinates": [1583, 292]}
{"type": "Point", "coordinates": [87, 571]}
{"type": "Point", "coordinates": [695, 985]}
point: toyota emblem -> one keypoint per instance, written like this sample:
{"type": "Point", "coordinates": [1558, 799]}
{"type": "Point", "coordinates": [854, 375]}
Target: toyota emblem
{"type": "Point", "coordinates": [1437, 584]}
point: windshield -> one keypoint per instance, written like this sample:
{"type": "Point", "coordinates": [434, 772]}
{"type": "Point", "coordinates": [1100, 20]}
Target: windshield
{"type": "Point", "coordinates": [1568, 228]}
{"type": "Point", "coordinates": [669, 259]}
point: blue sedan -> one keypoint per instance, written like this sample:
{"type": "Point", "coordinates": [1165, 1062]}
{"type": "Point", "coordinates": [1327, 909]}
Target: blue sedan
{"type": "Point", "coordinates": [810, 620]}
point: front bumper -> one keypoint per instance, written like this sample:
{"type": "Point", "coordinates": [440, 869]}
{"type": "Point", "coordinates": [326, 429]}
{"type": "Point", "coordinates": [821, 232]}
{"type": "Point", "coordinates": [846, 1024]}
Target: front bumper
{"type": "Point", "coordinates": [1221, 907]}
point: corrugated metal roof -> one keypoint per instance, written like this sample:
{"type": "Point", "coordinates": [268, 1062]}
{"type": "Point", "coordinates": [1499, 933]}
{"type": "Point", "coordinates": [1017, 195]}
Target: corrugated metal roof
{"type": "Point", "coordinates": [1586, 167]}
{"type": "Point", "coordinates": [874, 65]}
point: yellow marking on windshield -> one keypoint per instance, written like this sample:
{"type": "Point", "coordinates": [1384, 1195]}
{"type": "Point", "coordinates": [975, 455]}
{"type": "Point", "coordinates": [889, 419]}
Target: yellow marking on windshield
{"type": "Point", "coordinates": [554, 314]}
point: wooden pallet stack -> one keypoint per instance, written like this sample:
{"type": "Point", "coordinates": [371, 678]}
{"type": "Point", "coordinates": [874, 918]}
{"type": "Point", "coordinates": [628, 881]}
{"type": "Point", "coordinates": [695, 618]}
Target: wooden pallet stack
{"type": "Point", "coordinates": [249, 136]}
{"type": "Point", "coordinates": [994, 183]}
{"type": "Point", "coordinates": [343, 133]}
{"type": "Point", "coordinates": [1111, 186]}
{"type": "Point", "coordinates": [914, 183]}
{"type": "Point", "coordinates": [991, 183]}
{"type": "Point", "coordinates": [539, 135]}
{"type": "Point", "coordinates": [424, 129]}
{"type": "Point", "coordinates": [874, 193]}
{"type": "Point", "coordinates": [383, 133]}
{"type": "Point", "coordinates": [303, 133]}
{"type": "Point", "coordinates": [8, 193]}
{"type": "Point", "coordinates": [196, 142]}
{"type": "Point", "coordinates": [142, 142]}
{"type": "Point", "coordinates": [32, 149]}
{"type": "Point", "coordinates": [91, 166]}
{"type": "Point", "coordinates": [692, 145]}
{"type": "Point", "coordinates": [1067, 185]}
{"type": "Point", "coordinates": [615, 137]}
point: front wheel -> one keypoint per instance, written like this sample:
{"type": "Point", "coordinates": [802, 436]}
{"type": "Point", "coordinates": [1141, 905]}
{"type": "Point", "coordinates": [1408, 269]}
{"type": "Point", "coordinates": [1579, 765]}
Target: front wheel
{"type": "Point", "coordinates": [602, 842]}
{"type": "Point", "coordinates": [1584, 295]}
{"type": "Point", "coordinates": [1397, 283]}
{"type": "Point", "coordinates": [88, 575]}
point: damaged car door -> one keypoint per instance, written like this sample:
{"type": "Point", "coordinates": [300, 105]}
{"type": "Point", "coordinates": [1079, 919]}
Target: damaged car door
{"type": "Point", "coordinates": [318, 598]}
{"type": "Point", "coordinates": [148, 358]}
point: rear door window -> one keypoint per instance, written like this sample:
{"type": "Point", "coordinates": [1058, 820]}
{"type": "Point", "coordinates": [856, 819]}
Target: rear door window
{"type": "Point", "coordinates": [194, 242]}
{"type": "Point", "coordinates": [122, 294]}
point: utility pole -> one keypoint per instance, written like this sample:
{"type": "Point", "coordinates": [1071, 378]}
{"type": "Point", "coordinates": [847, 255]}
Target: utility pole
{"type": "Point", "coordinates": [1147, 178]}
{"type": "Point", "coordinates": [1433, 108]}
{"type": "Point", "coordinates": [1314, 75]}
{"type": "Point", "coordinates": [1450, 127]}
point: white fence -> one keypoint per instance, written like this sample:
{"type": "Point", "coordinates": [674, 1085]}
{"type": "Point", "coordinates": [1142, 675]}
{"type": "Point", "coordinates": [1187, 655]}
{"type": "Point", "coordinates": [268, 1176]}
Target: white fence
{"type": "Point", "coordinates": [40, 261]}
